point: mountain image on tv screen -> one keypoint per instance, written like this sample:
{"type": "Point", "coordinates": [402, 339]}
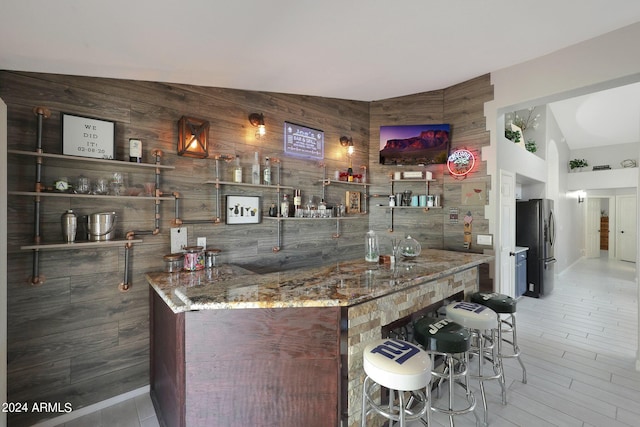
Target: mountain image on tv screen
{"type": "Point", "coordinates": [414, 144]}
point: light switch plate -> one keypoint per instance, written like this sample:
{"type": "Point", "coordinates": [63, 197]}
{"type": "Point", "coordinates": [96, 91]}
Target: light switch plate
{"type": "Point", "coordinates": [178, 239]}
{"type": "Point", "coordinates": [484, 239]}
{"type": "Point", "coordinates": [201, 241]}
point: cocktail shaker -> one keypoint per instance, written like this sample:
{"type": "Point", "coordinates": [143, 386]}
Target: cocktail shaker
{"type": "Point", "coordinates": [69, 226]}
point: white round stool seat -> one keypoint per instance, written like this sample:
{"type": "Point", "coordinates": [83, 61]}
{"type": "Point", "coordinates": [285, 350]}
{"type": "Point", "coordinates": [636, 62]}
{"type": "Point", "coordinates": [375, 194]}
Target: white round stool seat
{"type": "Point", "coordinates": [397, 364]}
{"type": "Point", "coordinates": [472, 315]}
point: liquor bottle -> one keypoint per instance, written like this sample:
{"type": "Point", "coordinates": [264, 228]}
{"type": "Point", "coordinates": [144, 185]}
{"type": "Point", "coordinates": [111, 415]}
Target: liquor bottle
{"type": "Point", "coordinates": [135, 150]}
{"type": "Point", "coordinates": [284, 206]}
{"type": "Point", "coordinates": [237, 171]}
{"type": "Point", "coordinates": [255, 170]}
{"type": "Point", "coordinates": [297, 203]}
{"type": "Point", "coordinates": [267, 171]}
{"type": "Point", "coordinates": [322, 209]}
{"type": "Point", "coordinates": [350, 173]}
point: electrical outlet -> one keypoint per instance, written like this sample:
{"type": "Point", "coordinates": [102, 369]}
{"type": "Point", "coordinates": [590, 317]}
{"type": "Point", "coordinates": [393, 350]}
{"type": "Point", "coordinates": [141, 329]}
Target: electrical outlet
{"type": "Point", "coordinates": [201, 241]}
{"type": "Point", "coordinates": [178, 239]}
{"type": "Point", "coordinates": [484, 239]}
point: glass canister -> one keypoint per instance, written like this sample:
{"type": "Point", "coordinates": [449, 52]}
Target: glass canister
{"type": "Point", "coordinates": [371, 248]}
{"type": "Point", "coordinates": [210, 258]}
{"type": "Point", "coordinates": [193, 258]}
{"type": "Point", "coordinates": [409, 247]}
{"type": "Point", "coordinates": [173, 262]}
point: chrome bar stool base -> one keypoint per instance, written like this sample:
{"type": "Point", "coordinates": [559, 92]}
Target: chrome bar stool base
{"type": "Point", "coordinates": [451, 341]}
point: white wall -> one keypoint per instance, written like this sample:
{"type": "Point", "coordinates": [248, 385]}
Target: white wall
{"type": "Point", "coordinates": [601, 63]}
{"type": "Point", "coordinates": [610, 155]}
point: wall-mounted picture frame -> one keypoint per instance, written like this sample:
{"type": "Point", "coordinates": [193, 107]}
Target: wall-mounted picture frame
{"type": "Point", "coordinates": [88, 137]}
{"type": "Point", "coordinates": [414, 144]}
{"type": "Point", "coordinates": [243, 210]}
{"type": "Point", "coordinates": [352, 202]}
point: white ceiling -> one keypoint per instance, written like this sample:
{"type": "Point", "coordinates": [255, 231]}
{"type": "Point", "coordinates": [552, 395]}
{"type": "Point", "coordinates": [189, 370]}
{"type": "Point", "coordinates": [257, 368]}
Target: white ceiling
{"type": "Point", "coordinates": [354, 49]}
{"type": "Point", "coordinates": [601, 118]}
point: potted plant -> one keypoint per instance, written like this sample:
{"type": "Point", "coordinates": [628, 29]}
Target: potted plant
{"type": "Point", "coordinates": [531, 146]}
{"type": "Point", "coordinates": [577, 164]}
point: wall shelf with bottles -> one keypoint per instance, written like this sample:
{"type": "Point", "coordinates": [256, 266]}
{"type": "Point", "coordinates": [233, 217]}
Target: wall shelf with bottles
{"type": "Point", "coordinates": [407, 183]}
{"type": "Point", "coordinates": [40, 191]}
{"type": "Point", "coordinates": [326, 182]}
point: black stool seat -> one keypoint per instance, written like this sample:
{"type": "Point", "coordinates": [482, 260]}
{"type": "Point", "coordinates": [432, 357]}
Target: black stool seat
{"type": "Point", "coordinates": [443, 336]}
{"type": "Point", "coordinates": [499, 303]}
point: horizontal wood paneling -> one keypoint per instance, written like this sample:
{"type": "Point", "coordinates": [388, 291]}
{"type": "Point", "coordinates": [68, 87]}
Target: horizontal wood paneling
{"type": "Point", "coordinates": [78, 320]}
{"type": "Point", "coordinates": [80, 295]}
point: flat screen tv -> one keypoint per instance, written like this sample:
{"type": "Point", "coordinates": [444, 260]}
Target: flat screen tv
{"type": "Point", "coordinates": [414, 144]}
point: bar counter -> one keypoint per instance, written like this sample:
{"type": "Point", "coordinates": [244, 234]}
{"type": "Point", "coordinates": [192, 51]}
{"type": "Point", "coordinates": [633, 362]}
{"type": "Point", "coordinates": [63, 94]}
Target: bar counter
{"type": "Point", "coordinates": [230, 347]}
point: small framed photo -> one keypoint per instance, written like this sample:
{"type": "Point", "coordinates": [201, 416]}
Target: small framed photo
{"type": "Point", "coordinates": [353, 202]}
{"type": "Point", "coordinates": [243, 210]}
{"type": "Point", "coordinates": [88, 137]}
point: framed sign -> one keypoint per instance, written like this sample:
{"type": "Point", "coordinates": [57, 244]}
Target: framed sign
{"type": "Point", "coordinates": [353, 201]}
{"type": "Point", "coordinates": [302, 141]}
{"type": "Point", "coordinates": [88, 137]}
{"type": "Point", "coordinates": [243, 210]}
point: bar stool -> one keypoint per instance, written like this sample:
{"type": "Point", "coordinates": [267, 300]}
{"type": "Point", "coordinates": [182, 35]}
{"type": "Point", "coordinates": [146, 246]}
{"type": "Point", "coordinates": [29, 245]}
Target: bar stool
{"type": "Point", "coordinates": [402, 368]}
{"type": "Point", "coordinates": [450, 340]}
{"type": "Point", "coordinates": [504, 305]}
{"type": "Point", "coordinates": [483, 325]}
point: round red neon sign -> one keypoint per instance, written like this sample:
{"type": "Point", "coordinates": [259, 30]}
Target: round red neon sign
{"type": "Point", "coordinates": [461, 162]}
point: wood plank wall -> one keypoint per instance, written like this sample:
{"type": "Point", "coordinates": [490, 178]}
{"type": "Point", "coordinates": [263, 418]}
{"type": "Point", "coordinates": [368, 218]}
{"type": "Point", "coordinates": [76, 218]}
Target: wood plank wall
{"type": "Point", "coordinates": [76, 338]}
{"type": "Point", "coordinates": [462, 106]}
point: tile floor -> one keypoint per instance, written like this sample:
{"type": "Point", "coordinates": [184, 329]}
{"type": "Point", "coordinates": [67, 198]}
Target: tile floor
{"type": "Point", "coordinates": [579, 346]}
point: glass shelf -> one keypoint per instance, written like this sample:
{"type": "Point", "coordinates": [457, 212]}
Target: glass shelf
{"type": "Point", "coordinates": [246, 184]}
{"type": "Point", "coordinates": [79, 245]}
{"type": "Point", "coordinates": [291, 218]}
{"type": "Point", "coordinates": [120, 163]}
{"type": "Point", "coordinates": [87, 196]}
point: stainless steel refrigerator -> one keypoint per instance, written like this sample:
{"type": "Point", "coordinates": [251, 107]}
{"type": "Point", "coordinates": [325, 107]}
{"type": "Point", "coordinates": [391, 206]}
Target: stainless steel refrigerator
{"type": "Point", "coordinates": [536, 229]}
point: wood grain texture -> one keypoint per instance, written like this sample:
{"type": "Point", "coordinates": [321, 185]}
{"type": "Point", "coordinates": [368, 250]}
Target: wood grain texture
{"type": "Point", "coordinates": [80, 295]}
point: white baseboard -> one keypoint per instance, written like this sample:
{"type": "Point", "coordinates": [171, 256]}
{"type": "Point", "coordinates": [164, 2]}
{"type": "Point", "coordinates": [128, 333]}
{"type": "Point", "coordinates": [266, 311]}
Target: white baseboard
{"type": "Point", "coordinates": [65, 418]}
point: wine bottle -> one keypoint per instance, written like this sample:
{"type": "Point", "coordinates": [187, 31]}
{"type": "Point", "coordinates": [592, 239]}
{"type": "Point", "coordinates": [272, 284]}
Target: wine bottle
{"type": "Point", "coordinates": [237, 171]}
{"type": "Point", "coordinates": [267, 171]}
{"type": "Point", "coordinates": [297, 203]}
{"type": "Point", "coordinates": [255, 170]}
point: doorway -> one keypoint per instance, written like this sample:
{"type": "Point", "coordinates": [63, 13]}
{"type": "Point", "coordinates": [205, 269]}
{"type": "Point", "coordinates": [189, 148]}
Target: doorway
{"type": "Point", "coordinates": [626, 228]}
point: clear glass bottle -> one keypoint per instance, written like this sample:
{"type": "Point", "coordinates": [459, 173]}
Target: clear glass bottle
{"type": "Point", "coordinates": [322, 209]}
{"type": "Point", "coordinates": [297, 203]}
{"type": "Point", "coordinates": [237, 170]}
{"type": "Point", "coordinates": [371, 249]}
{"type": "Point", "coordinates": [255, 170]}
{"type": "Point", "coordinates": [267, 171]}
{"type": "Point", "coordinates": [284, 206]}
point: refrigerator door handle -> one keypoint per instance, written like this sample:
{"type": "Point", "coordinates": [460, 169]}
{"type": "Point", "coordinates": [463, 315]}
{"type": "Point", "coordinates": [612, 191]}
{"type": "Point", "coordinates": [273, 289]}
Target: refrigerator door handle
{"type": "Point", "coordinates": [550, 261]}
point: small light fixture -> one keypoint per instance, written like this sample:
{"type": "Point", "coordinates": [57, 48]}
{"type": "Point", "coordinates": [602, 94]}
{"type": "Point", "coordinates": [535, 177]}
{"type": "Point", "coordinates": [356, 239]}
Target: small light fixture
{"type": "Point", "coordinates": [192, 137]}
{"type": "Point", "coordinates": [257, 120]}
{"type": "Point", "coordinates": [581, 195]}
{"type": "Point", "coordinates": [347, 142]}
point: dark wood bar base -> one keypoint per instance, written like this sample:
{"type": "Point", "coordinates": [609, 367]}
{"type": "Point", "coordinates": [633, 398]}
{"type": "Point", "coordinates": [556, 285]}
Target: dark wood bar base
{"type": "Point", "coordinates": [245, 367]}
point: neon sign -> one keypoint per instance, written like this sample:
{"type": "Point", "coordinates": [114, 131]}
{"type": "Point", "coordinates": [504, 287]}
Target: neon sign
{"type": "Point", "coordinates": [461, 162]}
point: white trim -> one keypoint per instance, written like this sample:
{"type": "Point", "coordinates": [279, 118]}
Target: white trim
{"type": "Point", "coordinates": [93, 408]}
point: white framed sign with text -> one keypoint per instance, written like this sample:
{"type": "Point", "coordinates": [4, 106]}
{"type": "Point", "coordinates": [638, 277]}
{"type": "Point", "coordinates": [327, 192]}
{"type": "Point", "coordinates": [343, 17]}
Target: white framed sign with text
{"type": "Point", "coordinates": [87, 137]}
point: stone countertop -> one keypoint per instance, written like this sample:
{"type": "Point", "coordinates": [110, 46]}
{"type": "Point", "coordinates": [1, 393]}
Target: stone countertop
{"type": "Point", "coordinates": [342, 283]}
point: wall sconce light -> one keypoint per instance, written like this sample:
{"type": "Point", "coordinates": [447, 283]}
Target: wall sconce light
{"type": "Point", "coordinates": [347, 142]}
{"type": "Point", "coordinates": [581, 195]}
{"type": "Point", "coordinates": [192, 137]}
{"type": "Point", "coordinates": [257, 120]}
